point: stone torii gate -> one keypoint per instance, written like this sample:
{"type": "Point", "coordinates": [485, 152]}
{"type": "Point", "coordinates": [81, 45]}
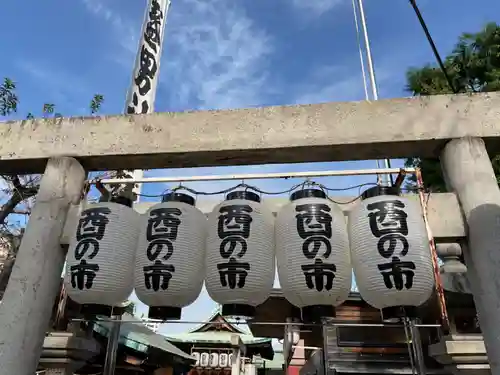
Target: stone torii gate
{"type": "Point", "coordinates": [457, 128]}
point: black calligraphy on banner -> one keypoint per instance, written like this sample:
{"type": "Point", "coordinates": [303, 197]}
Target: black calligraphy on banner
{"type": "Point", "coordinates": [148, 65]}
{"type": "Point", "coordinates": [388, 222]}
{"type": "Point", "coordinates": [233, 228]}
{"type": "Point", "coordinates": [89, 232]}
{"type": "Point", "coordinates": [314, 226]}
{"type": "Point", "coordinates": [161, 232]}
{"type": "Point", "coordinates": [152, 33]}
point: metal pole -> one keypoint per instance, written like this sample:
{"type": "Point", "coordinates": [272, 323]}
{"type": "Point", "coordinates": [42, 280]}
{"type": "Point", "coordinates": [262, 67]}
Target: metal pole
{"type": "Point", "coordinates": [112, 347]}
{"type": "Point", "coordinates": [417, 348]}
{"type": "Point", "coordinates": [371, 74]}
{"type": "Point", "coordinates": [361, 59]}
{"type": "Point", "coordinates": [255, 176]}
{"type": "Point", "coordinates": [325, 347]}
{"type": "Point", "coordinates": [330, 323]}
{"type": "Point", "coordinates": [409, 344]}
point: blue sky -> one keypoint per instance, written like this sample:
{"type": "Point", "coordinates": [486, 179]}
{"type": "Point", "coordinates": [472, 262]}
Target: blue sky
{"type": "Point", "coordinates": [223, 54]}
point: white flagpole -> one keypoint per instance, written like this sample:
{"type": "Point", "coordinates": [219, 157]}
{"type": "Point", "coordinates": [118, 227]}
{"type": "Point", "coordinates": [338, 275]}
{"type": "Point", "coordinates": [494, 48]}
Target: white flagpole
{"type": "Point", "coordinates": [371, 74]}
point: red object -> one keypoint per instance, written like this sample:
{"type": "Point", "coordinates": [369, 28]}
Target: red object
{"type": "Point", "coordinates": [437, 274]}
{"type": "Point", "coordinates": [293, 370]}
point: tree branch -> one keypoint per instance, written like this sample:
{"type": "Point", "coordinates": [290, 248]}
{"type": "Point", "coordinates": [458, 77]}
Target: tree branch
{"type": "Point", "coordinates": [20, 193]}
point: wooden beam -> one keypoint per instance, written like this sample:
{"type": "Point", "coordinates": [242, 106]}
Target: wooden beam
{"type": "Point", "coordinates": [306, 133]}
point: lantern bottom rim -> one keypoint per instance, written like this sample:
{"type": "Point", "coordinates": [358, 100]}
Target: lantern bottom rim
{"type": "Point", "coordinates": [396, 313]}
{"type": "Point", "coordinates": [238, 310]}
{"type": "Point", "coordinates": [315, 313]}
{"type": "Point", "coordinates": [164, 312]}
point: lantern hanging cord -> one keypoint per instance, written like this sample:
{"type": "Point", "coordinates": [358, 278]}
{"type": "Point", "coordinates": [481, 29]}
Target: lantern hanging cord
{"type": "Point", "coordinates": [255, 188]}
{"type": "Point", "coordinates": [258, 190]}
{"type": "Point", "coordinates": [301, 185]}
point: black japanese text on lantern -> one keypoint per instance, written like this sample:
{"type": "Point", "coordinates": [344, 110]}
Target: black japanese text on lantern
{"type": "Point", "coordinates": [388, 223]}
{"type": "Point", "coordinates": [148, 65]}
{"type": "Point", "coordinates": [89, 232]}
{"type": "Point", "coordinates": [161, 233]}
{"type": "Point", "coordinates": [233, 229]}
{"type": "Point", "coordinates": [314, 226]}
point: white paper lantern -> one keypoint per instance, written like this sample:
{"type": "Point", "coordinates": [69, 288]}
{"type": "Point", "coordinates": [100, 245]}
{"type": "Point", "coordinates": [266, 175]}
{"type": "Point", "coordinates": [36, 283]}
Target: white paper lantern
{"type": "Point", "coordinates": [214, 360]}
{"type": "Point", "coordinates": [240, 254]}
{"type": "Point", "coordinates": [100, 261]}
{"type": "Point", "coordinates": [390, 251]}
{"type": "Point", "coordinates": [312, 253]}
{"type": "Point", "coordinates": [196, 356]}
{"type": "Point", "coordinates": [169, 269]}
{"type": "Point", "coordinates": [223, 360]}
{"type": "Point", "coordinates": [204, 359]}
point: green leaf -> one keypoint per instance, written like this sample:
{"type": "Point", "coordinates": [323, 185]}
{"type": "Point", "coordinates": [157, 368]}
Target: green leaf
{"type": "Point", "coordinates": [8, 97]}
{"type": "Point", "coordinates": [48, 108]}
{"type": "Point", "coordinates": [96, 103]}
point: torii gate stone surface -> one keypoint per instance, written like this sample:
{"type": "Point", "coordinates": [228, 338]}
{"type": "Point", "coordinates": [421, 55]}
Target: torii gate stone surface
{"type": "Point", "coordinates": [459, 129]}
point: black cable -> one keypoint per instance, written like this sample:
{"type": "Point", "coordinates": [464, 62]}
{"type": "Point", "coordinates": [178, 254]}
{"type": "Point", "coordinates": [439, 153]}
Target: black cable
{"type": "Point", "coordinates": [432, 44]}
{"type": "Point", "coordinates": [307, 182]}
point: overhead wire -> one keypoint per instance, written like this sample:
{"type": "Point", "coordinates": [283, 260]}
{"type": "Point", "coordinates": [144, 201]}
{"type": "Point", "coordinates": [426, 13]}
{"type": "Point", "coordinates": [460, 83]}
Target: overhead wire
{"type": "Point", "coordinates": [428, 35]}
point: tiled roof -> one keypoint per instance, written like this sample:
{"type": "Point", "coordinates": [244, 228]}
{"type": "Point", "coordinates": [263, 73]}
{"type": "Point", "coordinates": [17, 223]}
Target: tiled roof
{"type": "Point", "coordinates": [215, 337]}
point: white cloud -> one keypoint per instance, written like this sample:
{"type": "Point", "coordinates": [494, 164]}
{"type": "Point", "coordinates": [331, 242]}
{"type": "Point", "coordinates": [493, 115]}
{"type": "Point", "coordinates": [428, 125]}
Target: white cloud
{"type": "Point", "coordinates": [217, 59]}
{"type": "Point", "coordinates": [127, 31]}
{"type": "Point", "coordinates": [330, 83]}
{"type": "Point", "coordinates": [340, 83]}
{"type": "Point", "coordinates": [213, 55]}
{"type": "Point", "coordinates": [317, 7]}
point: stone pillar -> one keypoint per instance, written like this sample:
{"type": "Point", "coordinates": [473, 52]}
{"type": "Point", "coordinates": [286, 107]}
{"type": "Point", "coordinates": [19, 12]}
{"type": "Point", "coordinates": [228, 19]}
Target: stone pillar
{"type": "Point", "coordinates": [239, 351]}
{"type": "Point", "coordinates": [469, 173]}
{"type": "Point", "coordinates": [27, 304]}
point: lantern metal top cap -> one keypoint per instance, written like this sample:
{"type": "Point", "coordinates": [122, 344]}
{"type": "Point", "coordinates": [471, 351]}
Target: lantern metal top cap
{"type": "Point", "coordinates": [179, 197]}
{"type": "Point", "coordinates": [243, 194]}
{"type": "Point", "coordinates": [308, 193]}
{"type": "Point", "coordinates": [380, 190]}
{"type": "Point", "coordinates": [120, 199]}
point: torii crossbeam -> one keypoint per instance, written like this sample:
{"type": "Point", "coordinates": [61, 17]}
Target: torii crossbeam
{"type": "Point", "coordinates": [457, 128]}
